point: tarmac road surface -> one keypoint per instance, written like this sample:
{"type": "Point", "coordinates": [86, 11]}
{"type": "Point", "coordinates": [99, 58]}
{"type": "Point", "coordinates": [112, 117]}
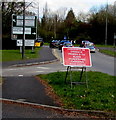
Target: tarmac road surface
{"type": "Point", "coordinates": [100, 62]}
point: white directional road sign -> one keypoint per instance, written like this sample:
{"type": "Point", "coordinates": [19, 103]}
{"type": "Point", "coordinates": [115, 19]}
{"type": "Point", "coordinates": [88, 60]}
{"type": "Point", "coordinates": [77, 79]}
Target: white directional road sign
{"type": "Point", "coordinates": [30, 27]}
{"type": "Point", "coordinates": [27, 42]}
{"type": "Point", "coordinates": [19, 30]}
{"type": "Point", "coordinates": [114, 36]}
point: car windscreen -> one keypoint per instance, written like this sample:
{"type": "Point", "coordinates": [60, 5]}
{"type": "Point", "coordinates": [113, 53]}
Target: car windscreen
{"type": "Point", "coordinates": [68, 44]}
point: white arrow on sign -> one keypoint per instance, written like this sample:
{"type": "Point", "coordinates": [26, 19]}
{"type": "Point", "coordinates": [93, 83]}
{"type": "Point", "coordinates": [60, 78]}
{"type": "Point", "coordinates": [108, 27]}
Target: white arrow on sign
{"type": "Point", "coordinates": [14, 20]}
{"type": "Point", "coordinates": [34, 33]}
{"type": "Point", "coordinates": [114, 36]}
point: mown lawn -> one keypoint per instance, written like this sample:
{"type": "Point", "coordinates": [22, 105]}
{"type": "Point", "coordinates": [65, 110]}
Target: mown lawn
{"type": "Point", "coordinates": [1, 80]}
{"type": "Point", "coordinates": [13, 55]}
{"type": "Point", "coordinates": [108, 52]}
{"type": "Point", "coordinates": [99, 95]}
{"type": "Point", "coordinates": [108, 46]}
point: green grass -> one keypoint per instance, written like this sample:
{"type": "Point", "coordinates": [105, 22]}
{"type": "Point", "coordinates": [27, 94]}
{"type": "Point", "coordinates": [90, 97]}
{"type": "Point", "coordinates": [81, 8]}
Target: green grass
{"type": "Point", "coordinates": [1, 80]}
{"type": "Point", "coordinates": [13, 55]}
{"type": "Point", "coordinates": [0, 55]}
{"type": "Point", "coordinates": [98, 96]}
{"type": "Point", "coordinates": [99, 45]}
{"type": "Point", "coordinates": [46, 43]}
{"type": "Point", "coordinates": [108, 52]}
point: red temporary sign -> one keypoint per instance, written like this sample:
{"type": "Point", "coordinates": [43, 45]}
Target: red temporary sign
{"type": "Point", "coordinates": [76, 57]}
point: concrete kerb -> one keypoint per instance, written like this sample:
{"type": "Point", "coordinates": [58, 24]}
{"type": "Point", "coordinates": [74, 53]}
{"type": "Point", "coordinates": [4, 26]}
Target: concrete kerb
{"type": "Point", "coordinates": [98, 114]}
{"type": "Point", "coordinates": [35, 63]}
{"type": "Point", "coordinates": [55, 53]}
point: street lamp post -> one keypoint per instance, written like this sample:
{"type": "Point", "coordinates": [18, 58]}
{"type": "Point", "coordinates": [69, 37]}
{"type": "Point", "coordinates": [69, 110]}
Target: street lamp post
{"type": "Point", "coordinates": [106, 27]}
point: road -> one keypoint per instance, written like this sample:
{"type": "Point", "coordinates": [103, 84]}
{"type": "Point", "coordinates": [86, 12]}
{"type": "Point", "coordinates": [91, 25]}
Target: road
{"type": "Point", "coordinates": [33, 70]}
{"type": "Point", "coordinates": [103, 63]}
{"type": "Point", "coordinates": [100, 62]}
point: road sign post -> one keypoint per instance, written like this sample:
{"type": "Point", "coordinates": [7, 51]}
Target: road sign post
{"type": "Point", "coordinates": [23, 43]}
{"type": "Point", "coordinates": [24, 28]}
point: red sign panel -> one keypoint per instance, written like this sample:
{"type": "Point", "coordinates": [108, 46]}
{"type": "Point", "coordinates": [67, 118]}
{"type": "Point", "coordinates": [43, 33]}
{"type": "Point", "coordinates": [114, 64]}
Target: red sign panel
{"type": "Point", "coordinates": [76, 57]}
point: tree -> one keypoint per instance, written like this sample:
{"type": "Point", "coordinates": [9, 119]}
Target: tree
{"type": "Point", "coordinates": [70, 23]}
{"type": "Point", "coordinates": [9, 8]}
{"type": "Point", "coordinates": [98, 23]}
{"type": "Point", "coordinates": [82, 17]}
{"type": "Point", "coordinates": [52, 23]}
{"type": "Point", "coordinates": [70, 18]}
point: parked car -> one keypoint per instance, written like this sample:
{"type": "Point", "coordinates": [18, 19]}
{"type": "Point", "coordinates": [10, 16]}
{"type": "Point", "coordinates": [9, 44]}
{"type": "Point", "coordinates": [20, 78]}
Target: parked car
{"type": "Point", "coordinates": [39, 42]}
{"type": "Point", "coordinates": [54, 43]}
{"type": "Point", "coordinates": [91, 47]}
{"type": "Point", "coordinates": [85, 41]}
{"type": "Point", "coordinates": [61, 43]}
{"type": "Point", "coordinates": [66, 44]}
{"type": "Point", "coordinates": [88, 44]}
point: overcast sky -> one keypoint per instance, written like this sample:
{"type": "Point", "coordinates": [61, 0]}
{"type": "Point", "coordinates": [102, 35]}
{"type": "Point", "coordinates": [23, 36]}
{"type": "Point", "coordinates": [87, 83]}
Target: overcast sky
{"type": "Point", "coordinates": [76, 5]}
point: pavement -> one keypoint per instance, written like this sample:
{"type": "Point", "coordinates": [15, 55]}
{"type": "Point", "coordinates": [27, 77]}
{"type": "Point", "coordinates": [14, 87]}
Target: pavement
{"type": "Point", "coordinates": [26, 97]}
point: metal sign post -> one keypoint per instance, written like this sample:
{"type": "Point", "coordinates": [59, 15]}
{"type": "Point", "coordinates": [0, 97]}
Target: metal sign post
{"type": "Point", "coordinates": [23, 43]}
{"type": "Point", "coordinates": [24, 30]}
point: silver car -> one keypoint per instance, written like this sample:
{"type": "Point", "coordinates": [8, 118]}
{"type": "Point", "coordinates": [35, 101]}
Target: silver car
{"type": "Point", "coordinates": [91, 47]}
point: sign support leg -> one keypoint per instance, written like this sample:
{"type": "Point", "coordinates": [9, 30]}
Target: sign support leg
{"type": "Point", "coordinates": [71, 77]}
{"type": "Point", "coordinates": [32, 49]}
{"type": "Point", "coordinates": [69, 71]}
{"type": "Point", "coordinates": [20, 49]}
{"type": "Point", "coordinates": [81, 74]}
{"type": "Point", "coordinates": [86, 78]}
{"type": "Point", "coordinates": [66, 73]}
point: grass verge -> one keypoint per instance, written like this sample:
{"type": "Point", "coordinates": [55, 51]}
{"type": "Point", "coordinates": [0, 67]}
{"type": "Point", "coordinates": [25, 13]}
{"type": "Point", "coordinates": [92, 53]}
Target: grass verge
{"type": "Point", "coordinates": [1, 80]}
{"type": "Point", "coordinates": [47, 44]}
{"type": "Point", "coordinates": [108, 46]}
{"type": "Point", "coordinates": [107, 49]}
{"type": "Point", "coordinates": [13, 55]}
{"type": "Point", "coordinates": [98, 96]}
{"type": "Point", "coordinates": [108, 52]}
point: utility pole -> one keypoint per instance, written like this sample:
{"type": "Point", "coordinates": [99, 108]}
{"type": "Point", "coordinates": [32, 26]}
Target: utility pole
{"type": "Point", "coordinates": [23, 41]}
{"type": "Point", "coordinates": [115, 19]}
{"type": "Point", "coordinates": [106, 27]}
{"type": "Point", "coordinates": [114, 39]}
{"type": "Point", "coordinates": [55, 22]}
{"type": "Point", "coordinates": [38, 20]}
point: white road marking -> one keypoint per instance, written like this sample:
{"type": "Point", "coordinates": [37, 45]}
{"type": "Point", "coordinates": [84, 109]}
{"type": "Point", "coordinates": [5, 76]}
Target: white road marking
{"type": "Point", "coordinates": [20, 75]}
{"type": "Point", "coordinates": [40, 71]}
{"type": "Point", "coordinates": [43, 68]}
{"type": "Point", "coordinates": [11, 69]}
